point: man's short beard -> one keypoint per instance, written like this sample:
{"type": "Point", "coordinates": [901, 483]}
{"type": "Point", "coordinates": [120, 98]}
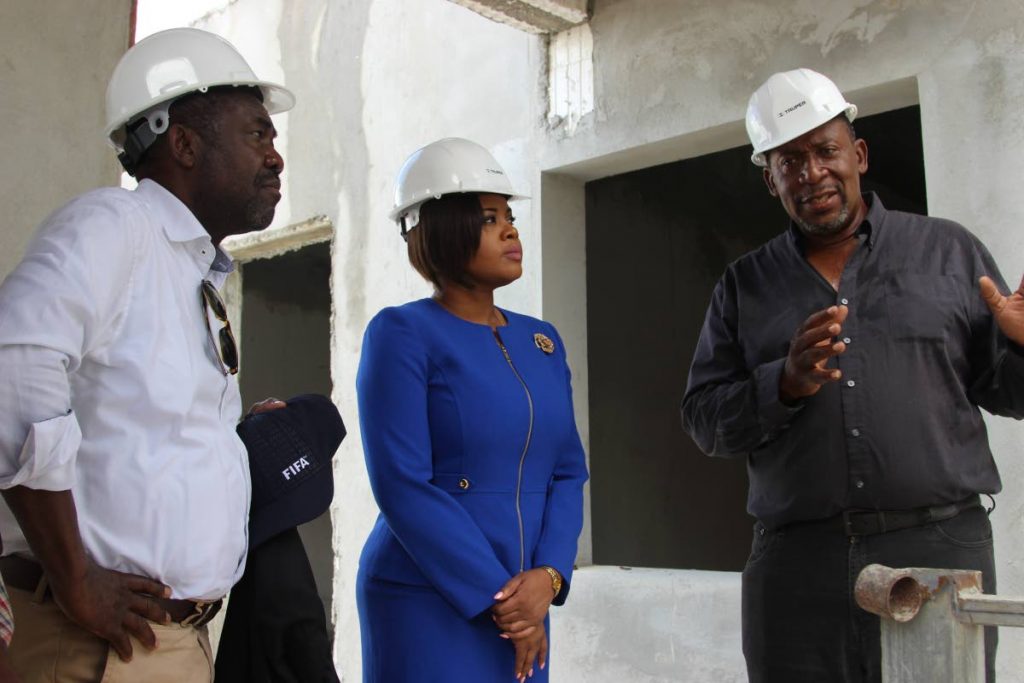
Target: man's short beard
{"type": "Point", "coordinates": [833, 227]}
{"type": "Point", "coordinates": [258, 215]}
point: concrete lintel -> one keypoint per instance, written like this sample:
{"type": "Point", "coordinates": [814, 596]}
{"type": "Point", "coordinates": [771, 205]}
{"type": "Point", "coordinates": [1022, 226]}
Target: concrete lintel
{"type": "Point", "coordinates": [276, 241]}
{"type": "Point", "coordinates": [532, 16]}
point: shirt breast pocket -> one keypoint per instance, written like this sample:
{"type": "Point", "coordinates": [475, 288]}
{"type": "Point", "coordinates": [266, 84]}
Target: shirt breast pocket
{"type": "Point", "coordinates": [923, 306]}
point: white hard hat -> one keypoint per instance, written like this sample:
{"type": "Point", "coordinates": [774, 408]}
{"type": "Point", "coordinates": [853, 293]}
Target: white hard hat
{"type": "Point", "coordinates": [166, 65]}
{"type": "Point", "coordinates": [442, 167]}
{"type": "Point", "coordinates": [790, 104]}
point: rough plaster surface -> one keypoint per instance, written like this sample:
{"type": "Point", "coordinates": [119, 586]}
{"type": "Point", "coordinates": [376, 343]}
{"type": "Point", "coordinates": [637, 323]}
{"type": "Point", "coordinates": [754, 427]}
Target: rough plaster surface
{"type": "Point", "coordinates": [974, 143]}
{"type": "Point", "coordinates": [361, 110]}
{"type": "Point", "coordinates": [55, 60]}
{"type": "Point", "coordinates": [685, 67]}
{"type": "Point", "coordinates": [377, 78]}
{"type": "Point", "coordinates": [674, 80]}
{"type": "Point", "coordinates": [648, 626]}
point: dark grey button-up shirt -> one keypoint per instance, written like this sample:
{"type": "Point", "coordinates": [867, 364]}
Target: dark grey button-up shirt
{"type": "Point", "coordinates": [902, 429]}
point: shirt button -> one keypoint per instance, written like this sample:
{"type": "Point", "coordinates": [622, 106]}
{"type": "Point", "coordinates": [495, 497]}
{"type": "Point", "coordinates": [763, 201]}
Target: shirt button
{"type": "Point", "coordinates": [463, 484]}
{"type": "Point", "coordinates": [851, 383]}
{"type": "Point", "coordinates": [860, 484]}
{"type": "Point", "coordinates": [855, 432]}
{"type": "Point", "coordinates": [844, 301]}
{"type": "Point", "coordinates": [847, 340]}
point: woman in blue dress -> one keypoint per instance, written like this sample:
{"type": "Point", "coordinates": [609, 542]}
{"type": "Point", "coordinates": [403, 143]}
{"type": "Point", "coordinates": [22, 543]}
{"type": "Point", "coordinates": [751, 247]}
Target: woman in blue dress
{"type": "Point", "coordinates": [470, 443]}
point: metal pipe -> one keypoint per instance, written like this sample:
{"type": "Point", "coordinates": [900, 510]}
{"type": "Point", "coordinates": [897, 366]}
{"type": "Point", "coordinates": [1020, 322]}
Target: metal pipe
{"type": "Point", "coordinates": [890, 593]}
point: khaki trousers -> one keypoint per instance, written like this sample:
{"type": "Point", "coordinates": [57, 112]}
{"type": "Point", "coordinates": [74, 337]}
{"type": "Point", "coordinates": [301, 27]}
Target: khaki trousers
{"type": "Point", "coordinates": [50, 648]}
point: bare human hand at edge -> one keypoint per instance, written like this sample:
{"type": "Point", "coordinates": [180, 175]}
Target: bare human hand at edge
{"type": "Point", "coordinates": [112, 605]}
{"type": "Point", "coordinates": [265, 406]}
{"type": "Point", "coordinates": [7, 674]}
{"type": "Point", "coordinates": [522, 603]}
{"type": "Point", "coordinates": [809, 351]}
{"type": "Point", "coordinates": [1007, 310]}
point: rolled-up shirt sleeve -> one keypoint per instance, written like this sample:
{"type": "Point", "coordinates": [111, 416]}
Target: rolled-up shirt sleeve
{"type": "Point", "coordinates": [39, 435]}
{"type": "Point", "coordinates": [61, 302]}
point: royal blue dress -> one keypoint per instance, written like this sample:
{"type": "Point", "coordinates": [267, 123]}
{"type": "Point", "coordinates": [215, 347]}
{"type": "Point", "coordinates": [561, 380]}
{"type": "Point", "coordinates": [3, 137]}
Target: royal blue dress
{"type": "Point", "coordinates": [476, 465]}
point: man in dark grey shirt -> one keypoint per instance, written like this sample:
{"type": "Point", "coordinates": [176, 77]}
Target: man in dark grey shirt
{"type": "Point", "coordinates": [847, 360]}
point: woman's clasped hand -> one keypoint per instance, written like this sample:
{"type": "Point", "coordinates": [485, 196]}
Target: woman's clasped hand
{"type": "Point", "coordinates": [519, 611]}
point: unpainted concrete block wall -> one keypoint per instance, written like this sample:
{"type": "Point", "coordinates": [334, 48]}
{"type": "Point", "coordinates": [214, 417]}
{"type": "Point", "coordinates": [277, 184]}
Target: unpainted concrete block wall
{"type": "Point", "coordinates": [55, 59]}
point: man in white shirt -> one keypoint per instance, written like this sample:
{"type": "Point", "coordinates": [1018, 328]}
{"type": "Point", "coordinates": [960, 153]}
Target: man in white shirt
{"type": "Point", "coordinates": [118, 455]}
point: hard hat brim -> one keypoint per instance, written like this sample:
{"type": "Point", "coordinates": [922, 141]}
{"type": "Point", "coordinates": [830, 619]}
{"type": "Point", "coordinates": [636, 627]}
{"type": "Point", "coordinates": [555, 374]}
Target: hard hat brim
{"type": "Point", "coordinates": [760, 158]}
{"type": "Point", "coordinates": [397, 213]}
{"type": "Point", "coordinates": [276, 99]}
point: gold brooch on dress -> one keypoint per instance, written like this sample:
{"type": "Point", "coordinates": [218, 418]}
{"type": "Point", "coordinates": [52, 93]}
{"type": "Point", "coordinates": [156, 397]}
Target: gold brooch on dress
{"type": "Point", "coordinates": [544, 343]}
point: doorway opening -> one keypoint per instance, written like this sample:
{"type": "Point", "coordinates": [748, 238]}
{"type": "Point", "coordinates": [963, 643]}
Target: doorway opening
{"type": "Point", "coordinates": [657, 240]}
{"type": "Point", "coordinates": [286, 350]}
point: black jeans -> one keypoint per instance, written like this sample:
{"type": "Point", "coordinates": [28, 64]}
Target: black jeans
{"type": "Point", "coordinates": [800, 620]}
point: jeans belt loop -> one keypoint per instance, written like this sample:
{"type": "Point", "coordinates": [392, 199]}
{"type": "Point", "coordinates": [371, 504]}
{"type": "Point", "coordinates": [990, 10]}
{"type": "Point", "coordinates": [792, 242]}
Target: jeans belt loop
{"type": "Point", "coordinates": [942, 512]}
{"type": "Point", "coordinates": [848, 523]}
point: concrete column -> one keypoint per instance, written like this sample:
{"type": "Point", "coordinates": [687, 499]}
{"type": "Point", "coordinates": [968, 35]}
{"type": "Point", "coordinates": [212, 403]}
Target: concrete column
{"type": "Point", "coordinates": [973, 132]}
{"type": "Point", "coordinates": [55, 59]}
{"type": "Point", "coordinates": [922, 639]}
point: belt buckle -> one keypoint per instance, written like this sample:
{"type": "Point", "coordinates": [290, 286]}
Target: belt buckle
{"type": "Point", "coordinates": [203, 612]}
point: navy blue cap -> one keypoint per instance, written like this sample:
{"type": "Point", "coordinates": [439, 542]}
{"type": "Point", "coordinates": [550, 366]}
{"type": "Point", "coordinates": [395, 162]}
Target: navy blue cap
{"type": "Point", "coordinates": [290, 451]}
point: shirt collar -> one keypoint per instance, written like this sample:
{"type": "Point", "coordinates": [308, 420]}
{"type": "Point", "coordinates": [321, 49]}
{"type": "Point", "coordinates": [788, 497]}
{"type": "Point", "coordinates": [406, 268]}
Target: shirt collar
{"type": "Point", "coordinates": [874, 220]}
{"type": "Point", "coordinates": [181, 225]}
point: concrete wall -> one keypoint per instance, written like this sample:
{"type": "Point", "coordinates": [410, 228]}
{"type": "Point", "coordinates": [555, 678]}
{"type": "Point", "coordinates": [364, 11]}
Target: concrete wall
{"type": "Point", "coordinates": [55, 59]}
{"type": "Point", "coordinates": [375, 81]}
{"type": "Point", "coordinates": [672, 81]}
{"type": "Point", "coordinates": [378, 78]}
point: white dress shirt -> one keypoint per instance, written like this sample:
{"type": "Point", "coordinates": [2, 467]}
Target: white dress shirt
{"type": "Point", "coordinates": [112, 388]}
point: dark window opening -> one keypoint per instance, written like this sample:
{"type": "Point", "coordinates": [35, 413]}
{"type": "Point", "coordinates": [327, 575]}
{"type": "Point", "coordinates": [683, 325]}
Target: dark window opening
{"type": "Point", "coordinates": [658, 239]}
{"type": "Point", "coordinates": [286, 350]}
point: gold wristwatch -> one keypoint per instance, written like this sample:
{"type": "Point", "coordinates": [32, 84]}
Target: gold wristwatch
{"type": "Point", "coordinates": [556, 579]}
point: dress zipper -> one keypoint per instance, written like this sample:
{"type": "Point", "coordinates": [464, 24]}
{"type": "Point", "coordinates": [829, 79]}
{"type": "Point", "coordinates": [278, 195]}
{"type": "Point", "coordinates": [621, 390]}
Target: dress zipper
{"type": "Point", "coordinates": [522, 457]}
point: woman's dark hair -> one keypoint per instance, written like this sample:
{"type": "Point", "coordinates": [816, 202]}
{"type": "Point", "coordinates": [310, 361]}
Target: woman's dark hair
{"type": "Point", "coordinates": [446, 238]}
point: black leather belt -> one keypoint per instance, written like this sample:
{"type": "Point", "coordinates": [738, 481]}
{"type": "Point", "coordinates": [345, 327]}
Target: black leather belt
{"type": "Point", "coordinates": [27, 575]}
{"type": "Point", "coordinates": [870, 522]}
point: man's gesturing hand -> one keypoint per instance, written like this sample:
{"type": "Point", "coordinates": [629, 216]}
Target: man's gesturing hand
{"type": "Point", "coordinates": [809, 352]}
{"type": "Point", "coordinates": [1008, 310]}
{"type": "Point", "coordinates": [113, 605]}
